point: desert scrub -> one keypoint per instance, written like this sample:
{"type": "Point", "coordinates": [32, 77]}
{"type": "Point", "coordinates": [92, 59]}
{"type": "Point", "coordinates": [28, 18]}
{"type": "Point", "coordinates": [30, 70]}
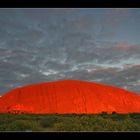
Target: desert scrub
{"type": "Point", "coordinates": [21, 125]}
{"type": "Point", "coordinates": [129, 125]}
{"type": "Point", "coordinates": [48, 121]}
{"type": "Point", "coordinates": [67, 126]}
{"type": "Point", "coordinates": [70, 122]}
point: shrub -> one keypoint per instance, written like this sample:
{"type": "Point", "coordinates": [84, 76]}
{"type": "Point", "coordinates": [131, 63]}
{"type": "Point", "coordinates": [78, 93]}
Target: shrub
{"type": "Point", "coordinates": [70, 122]}
{"type": "Point", "coordinates": [48, 121]}
{"type": "Point", "coordinates": [22, 125]}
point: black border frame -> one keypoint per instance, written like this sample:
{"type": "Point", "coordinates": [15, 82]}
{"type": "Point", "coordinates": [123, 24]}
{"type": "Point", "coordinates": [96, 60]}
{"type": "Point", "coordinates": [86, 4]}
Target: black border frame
{"type": "Point", "coordinates": [69, 4]}
{"type": "Point", "coordinates": [70, 135]}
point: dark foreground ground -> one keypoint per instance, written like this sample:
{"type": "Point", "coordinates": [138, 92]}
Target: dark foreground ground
{"type": "Point", "coordinates": [100, 122]}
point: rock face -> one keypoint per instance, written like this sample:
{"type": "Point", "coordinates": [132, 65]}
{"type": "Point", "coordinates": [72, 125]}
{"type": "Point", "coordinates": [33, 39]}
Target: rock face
{"type": "Point", "coordinates": [68, 97]}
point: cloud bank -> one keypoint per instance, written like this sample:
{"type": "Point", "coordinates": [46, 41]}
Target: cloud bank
{"type": "Point", "coordinates": [40, 45]}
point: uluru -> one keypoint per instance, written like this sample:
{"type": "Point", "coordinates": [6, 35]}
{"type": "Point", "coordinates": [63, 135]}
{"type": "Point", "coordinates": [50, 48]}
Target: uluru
{"type": "Point", "coordinates": [69, 97]}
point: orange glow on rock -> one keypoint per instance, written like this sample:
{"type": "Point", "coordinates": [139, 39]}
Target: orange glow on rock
{"type": "Point", "coordinates": [68, 97]}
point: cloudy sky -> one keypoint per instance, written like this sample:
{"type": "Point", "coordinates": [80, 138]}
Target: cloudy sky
{"type": "Point", "coordinates": [41, 45]}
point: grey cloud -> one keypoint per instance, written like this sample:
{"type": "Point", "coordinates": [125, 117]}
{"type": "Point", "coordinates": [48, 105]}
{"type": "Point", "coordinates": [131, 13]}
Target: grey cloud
{"type": "Point", "coordinates": [43, 46]}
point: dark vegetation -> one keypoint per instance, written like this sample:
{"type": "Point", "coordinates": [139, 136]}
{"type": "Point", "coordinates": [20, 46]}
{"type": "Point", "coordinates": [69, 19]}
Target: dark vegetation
{"type": "Point", "coordinates": [71, 122]}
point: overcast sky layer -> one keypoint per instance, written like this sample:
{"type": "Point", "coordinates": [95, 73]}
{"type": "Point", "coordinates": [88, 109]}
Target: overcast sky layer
{"type": "Point", "coordinates": [41, 45]}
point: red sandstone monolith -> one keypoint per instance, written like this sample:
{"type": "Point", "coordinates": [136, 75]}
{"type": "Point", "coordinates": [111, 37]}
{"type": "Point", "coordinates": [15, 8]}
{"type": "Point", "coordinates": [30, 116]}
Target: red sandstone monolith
{"type": "Point", "coordinates": [68, 97]}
